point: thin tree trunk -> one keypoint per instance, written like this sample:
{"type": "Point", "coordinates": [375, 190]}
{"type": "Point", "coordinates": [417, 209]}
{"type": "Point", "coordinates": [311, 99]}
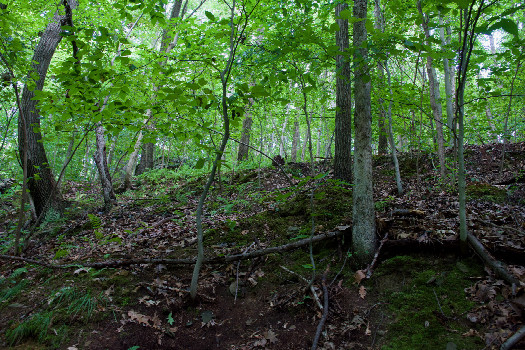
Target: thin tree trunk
{"type": "Point", "coordinates": [363, 230]}
{"type": "Point", "coordinates": [391, 134]}
{"type": "Point", "coordinates": [295, 141]}
{"type": "Point", "coordinates": [448, 81]}
{"type": "Point", "coordinates": [101, 161]}
{"type": "Point", "coordinates": [343, 114]}
{"type": "Point", "coordinates": [167, 44]}
{"type": "Point", "coordinates": [129, 169]}
{"type": "Point", "coordinates": [245, 139]}
{"type": "Point", "coordinates": [467, 44]}
{"type": "Point", "coordinates": [434, 99]}
{"type": "Point", "coordinates": [382, 127]}
{"type": "Point", "coordinates": [380, 25]}
{"type": "Point", "coordinates": [68, 155]}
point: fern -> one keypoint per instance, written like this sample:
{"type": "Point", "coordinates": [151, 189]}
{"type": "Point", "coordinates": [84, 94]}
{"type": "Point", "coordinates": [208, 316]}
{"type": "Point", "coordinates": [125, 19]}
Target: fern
{"type": "Point", "coordinates": [95, 221]}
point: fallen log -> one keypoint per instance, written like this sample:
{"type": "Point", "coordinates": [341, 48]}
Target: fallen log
{"type": "Point", "coordinates": [189, 261]}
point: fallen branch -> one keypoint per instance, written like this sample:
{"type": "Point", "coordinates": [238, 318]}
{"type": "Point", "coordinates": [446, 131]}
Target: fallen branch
{"type": "Point", "coordinates": [320, 326]}
{"type": "Point", "coordinates": [509, 343]}
{"type": "Point", "coordinates": [189, 261]}
{"type": "Point", "coordinates": [497, 266]}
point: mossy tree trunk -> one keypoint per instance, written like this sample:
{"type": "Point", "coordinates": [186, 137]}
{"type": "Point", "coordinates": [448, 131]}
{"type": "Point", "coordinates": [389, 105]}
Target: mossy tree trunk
{"type": "Point", "coordinates": [363, 231]}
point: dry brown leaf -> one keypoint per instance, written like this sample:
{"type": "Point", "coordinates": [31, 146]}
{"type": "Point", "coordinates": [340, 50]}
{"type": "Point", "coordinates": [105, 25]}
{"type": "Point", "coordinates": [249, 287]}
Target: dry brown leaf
{"type": "Point", "coordinates": [362, 292]}
{"type": "Point", "coordinates": [359, 275]}
{"type": "Point", "coordinates": [271, 336]}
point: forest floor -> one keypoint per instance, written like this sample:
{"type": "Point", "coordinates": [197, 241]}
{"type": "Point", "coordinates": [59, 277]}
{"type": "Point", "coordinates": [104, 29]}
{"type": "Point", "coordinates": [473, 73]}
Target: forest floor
{"type": "Point", "coordinates": [422, 292]}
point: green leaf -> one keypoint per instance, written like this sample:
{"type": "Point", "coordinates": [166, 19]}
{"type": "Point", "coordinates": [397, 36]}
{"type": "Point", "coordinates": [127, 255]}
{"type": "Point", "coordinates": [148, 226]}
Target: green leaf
{"type": "Point", "coordinates": [200, 163]}
{"type": "Point", "coordinates": [210, 15]}
{"type": "Point", "coordinates": [170, 319]}
{"type": "Point", "coordinates": [345, 14]}
{"type": "Point", "coordinates": [507, 25]}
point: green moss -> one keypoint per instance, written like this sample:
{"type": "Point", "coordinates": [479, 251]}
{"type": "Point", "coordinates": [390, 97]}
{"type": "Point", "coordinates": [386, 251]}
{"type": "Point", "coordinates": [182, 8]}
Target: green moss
{"type": "Point", "coordinates": [486, 192]}
{"type": "Point", "coordinates": [426, 301]}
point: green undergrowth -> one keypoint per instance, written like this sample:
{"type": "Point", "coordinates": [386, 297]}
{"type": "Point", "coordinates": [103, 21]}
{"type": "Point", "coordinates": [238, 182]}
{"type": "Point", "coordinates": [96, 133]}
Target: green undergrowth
{"type": "Point", "coordinates": [288, 217]}
{"type": "Point", "coordinates": [425, 301]}
{"type": "Point", "coordinates": [61, 304]}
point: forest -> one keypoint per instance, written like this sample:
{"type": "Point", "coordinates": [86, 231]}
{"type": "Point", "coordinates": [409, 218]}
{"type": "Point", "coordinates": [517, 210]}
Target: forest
{"type": "Point", "coordinates": [262, 174]}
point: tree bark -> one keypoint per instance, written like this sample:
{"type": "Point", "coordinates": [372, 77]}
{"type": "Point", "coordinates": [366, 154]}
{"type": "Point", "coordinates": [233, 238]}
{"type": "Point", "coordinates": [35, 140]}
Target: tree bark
{"type": "Point", "coordinates": [363, 231]}
{"type": "Point", "coordinates": [295, 141]}
{"type": "Point", "coordinates": [448, 81]}
{"type": "Point", "coordinates": [245, 139]}
{"type": "Point", "coordinates": [343, 114]}
{"type": "Point", "coordinates": [41, 182]}
{"type": "Point", "coordinates": [129, 169]}
{"type": "Point", "coordinates": [101, 161]}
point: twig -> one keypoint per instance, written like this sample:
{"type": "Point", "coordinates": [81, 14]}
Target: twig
{"type": "Point", "coordinates": [509, 343]}
{"type": "Point", "coordinates": [370, 268]}
{"type": "Point", "coordinates": [320, 326]}
{"type": "Point", "coordinates": [342, 267]}
{"type": "Point", "coordinates": [439, 305]}
{"type": "Point", "coordinates": [316, 298]}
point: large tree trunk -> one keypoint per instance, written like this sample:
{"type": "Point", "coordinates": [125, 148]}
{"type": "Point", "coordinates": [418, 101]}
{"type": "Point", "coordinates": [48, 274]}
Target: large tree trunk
{"type": "Point", "coordinates": [363, 231]}
{"type": "Point", "coordinates": [101, 161]}
{"type": "Point", "coordinates": [343, 114]}
{"type": "Point", "coordinates": [245, 139]}
{"type": "Point", "coordinates": [41, 182]}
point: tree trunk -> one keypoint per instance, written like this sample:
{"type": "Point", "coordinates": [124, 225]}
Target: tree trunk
{"type": "Point", "coordinates": [434, 99]}
{"type": "Point", "coordinates": [295, 141]}
{"type": "Point", "coordinates": [101, 161]}
{"type": "Point", "coordinates": [167, 43]}
{"type": "Point", "coordinates": [448, 81]}
{"type": "Point", "coordinates": [382, 145]}
{"type": "Point", "coordinates": [41, 182]}
{"type": "Point", "coordinates": [129, 169]}
{"type": "Point", "coordinates": [380, 25]}
{"type": "Point", "coordinates": [343, 114]}
{"type": "Point", "coordinates": [245, 139]}
{"type": "Point", "coordinates": [363, 231]}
